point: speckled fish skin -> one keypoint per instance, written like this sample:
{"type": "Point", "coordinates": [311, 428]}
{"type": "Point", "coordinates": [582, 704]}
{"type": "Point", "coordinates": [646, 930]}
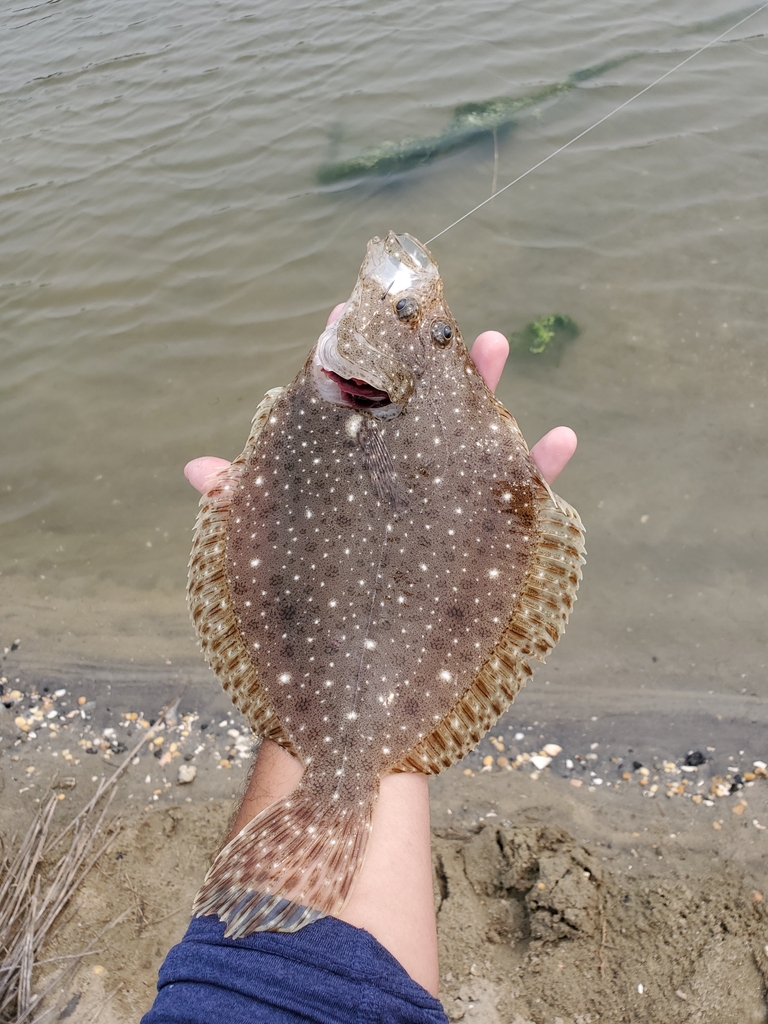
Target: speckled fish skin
{"type": "Point", "coordinates": [370, 579]}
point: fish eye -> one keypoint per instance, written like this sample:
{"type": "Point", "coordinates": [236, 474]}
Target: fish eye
{"type": "Point", "coordinates": [442, 333]}
{"type": "Point", "coordinates": [407, 308]}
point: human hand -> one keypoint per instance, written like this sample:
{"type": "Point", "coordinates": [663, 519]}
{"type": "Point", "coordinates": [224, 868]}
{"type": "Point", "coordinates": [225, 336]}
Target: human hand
{"type": "Point", "coordinates": [489, 352]}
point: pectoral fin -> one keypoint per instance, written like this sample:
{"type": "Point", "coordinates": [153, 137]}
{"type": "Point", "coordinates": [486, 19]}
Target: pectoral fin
{"type": "Point", "coordinates": [378, 462]}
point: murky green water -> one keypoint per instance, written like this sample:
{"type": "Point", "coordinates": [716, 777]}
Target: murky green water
{"type": "Point", "coordinates": [166, 256]}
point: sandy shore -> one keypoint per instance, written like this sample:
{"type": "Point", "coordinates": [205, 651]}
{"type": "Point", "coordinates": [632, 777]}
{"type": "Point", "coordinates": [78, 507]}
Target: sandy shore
{"type": "Point", "coordinates": [583, 870]}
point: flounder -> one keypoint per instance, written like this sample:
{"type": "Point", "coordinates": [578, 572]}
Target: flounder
{"type": "Point", "coordinates": [370, 580]}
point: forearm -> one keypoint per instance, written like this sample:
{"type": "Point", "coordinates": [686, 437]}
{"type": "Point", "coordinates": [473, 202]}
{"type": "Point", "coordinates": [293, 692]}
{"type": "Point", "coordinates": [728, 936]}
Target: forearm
{"type": "Point", "coordinates": [392, 896]}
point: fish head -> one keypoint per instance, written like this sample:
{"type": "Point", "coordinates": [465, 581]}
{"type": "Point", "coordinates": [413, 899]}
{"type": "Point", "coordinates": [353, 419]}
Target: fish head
{"type": "Point", "coordinates": [395, 321]}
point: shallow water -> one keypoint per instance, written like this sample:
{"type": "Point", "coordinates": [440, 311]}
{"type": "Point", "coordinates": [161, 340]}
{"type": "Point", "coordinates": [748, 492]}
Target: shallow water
{"type": "Point", "coordinates": [167, 256]}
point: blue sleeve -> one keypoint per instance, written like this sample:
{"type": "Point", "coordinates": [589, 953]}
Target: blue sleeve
{"type": "Point", "coordinates": [327, 973]}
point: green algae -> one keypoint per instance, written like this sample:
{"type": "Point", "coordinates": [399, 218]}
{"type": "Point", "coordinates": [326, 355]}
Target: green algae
{"type": "Point", "coordinates": [546, 336]}
{"type": "Point", "coordinates": [469, 122]}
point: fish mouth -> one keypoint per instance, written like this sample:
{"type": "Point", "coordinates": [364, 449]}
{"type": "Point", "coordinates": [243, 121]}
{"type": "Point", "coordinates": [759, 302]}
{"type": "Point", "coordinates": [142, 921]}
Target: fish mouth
{"type": "Point", "coordinates": [353, 383]}
{"type": "Point", "coordinates": [358, 393]}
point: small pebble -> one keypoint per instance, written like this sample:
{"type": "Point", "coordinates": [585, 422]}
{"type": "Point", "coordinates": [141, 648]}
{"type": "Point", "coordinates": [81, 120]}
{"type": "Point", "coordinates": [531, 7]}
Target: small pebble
{"type": "Point", "coordinates": [187, 774]}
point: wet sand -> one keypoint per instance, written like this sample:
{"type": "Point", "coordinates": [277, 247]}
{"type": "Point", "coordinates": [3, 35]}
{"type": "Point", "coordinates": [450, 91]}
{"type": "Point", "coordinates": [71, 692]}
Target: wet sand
{"type": "Point", "coordinates": [583, 870]}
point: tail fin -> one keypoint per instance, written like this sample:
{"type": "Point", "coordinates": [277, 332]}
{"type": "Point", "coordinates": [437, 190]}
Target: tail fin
{"type": "Point", "coordinates": [293, 863]}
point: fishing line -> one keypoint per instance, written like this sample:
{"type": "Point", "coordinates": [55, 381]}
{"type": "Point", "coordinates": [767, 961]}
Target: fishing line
{"type": "Point", "coordinates": [598, 123]}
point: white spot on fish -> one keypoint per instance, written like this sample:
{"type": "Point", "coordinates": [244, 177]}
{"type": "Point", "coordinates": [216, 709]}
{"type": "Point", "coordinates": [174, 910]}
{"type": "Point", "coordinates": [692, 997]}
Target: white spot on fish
{"type": "Point", "coordinates": [352, 426]}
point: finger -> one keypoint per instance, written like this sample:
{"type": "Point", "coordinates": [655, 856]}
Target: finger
{"type": "Point", "coordinates": [201, 472]}
{"type": "Point", "coordinates": [335, 313]}
{"type": "Point", "coordinates": [553, 452]}
{"type": "Point", "coordinates": [489, 354]}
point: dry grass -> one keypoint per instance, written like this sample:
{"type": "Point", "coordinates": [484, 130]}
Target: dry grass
{"type": "Point", "coordinates": [36, 884]}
